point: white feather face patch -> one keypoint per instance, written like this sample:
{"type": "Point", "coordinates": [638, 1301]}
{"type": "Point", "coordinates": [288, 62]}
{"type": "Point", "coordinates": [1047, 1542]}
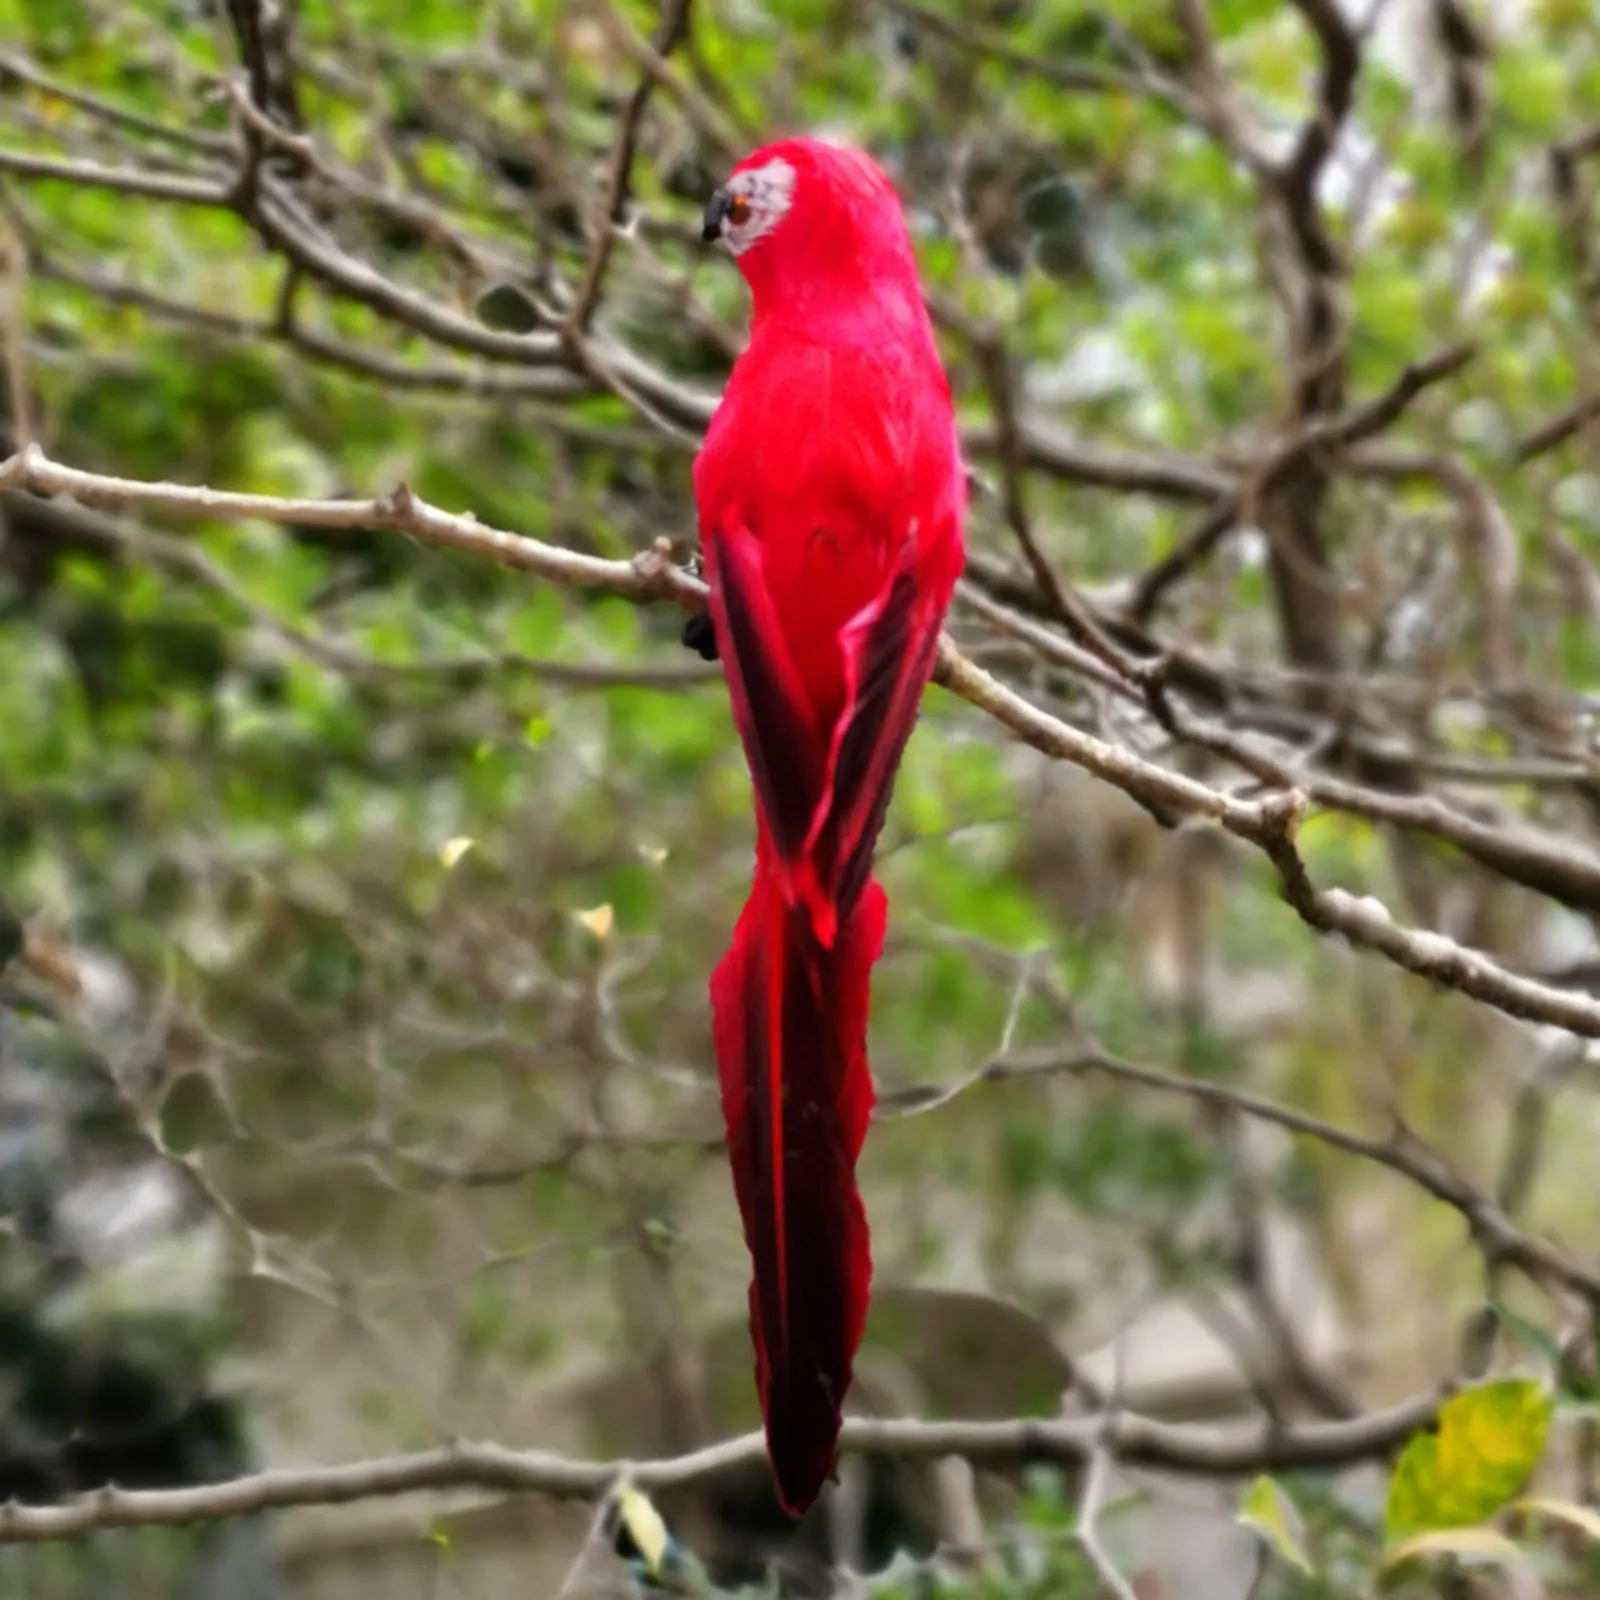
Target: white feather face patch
{"type": "Point", "coordinates": [768, 191]}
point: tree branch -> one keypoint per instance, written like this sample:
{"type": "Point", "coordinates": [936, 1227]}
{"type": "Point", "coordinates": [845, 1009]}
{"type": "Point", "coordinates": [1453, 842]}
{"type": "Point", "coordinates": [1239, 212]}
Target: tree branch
{"type": "Point", "coordinates": [669, 34]}
{"type": "Point", "coordinates": [1128, 1438]}
{"type": "Point", "coordinates": [125, 180]}
{"type": "Point", "coordinates": [650, 575]}
{"type": "Point", "coordinates": [1268, 824]}
{"type": "Point", "coordinates": [1321, 434]}
{"type": "Point", "coordinates": [1399, 1151]}
{"type": "Point", "coordinates": [1271, 825]}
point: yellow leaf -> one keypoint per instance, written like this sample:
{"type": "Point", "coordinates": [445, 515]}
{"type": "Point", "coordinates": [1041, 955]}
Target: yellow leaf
{"type": "Point", "coordinates": [1486, 1443]}
{"type": "Point", "coordinates": [452, 850]}
{"type": "Point", "coordinates": [51, 107]}
{"type": "Point", "coordinates": [1270, 1512]}
{"type": "Point", "coordinates": [599, 922]}
{"type": "Point", "coordinates": [645, 1527]}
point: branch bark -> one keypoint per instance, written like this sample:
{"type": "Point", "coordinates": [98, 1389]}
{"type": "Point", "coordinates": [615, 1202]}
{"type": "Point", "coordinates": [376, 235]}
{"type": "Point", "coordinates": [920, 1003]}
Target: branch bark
{"type": "Point", "coordinates": [1128, 1438]}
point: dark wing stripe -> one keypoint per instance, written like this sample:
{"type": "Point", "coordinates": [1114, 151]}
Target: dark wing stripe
{"type": "Point", "coordinates": [861, 838]}
{"type": "Point", "coordinates": [889, 653]}
{"type": "Point", "coordinates": [780, 739]}
{"type": "Point", "coordinates": [880, 660]}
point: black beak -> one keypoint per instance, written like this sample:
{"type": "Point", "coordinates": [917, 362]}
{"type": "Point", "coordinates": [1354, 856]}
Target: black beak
{"type": "Point", "coordinates": [711, 229]}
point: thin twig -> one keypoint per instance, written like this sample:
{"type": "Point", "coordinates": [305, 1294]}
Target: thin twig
{"type": "Point", "coordinates": [670, 33]}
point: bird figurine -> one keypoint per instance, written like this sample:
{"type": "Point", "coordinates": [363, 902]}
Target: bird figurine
{"type": "Point", "coordinates": [830, 493]}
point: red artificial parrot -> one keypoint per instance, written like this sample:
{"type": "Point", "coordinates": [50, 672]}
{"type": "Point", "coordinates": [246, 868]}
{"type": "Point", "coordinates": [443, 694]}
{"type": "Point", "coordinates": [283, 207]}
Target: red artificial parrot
{"type": "Point", "coordinates": [830, 490]}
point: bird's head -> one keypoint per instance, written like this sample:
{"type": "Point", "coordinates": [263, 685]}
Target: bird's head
{"type": "Point", "coordinates": [812, 224]}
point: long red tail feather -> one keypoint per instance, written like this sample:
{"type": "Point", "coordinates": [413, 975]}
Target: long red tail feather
{"type": "Point", "coordinates": [790, 1020]}
{"type": "Point", "coordinates": [791, 996]}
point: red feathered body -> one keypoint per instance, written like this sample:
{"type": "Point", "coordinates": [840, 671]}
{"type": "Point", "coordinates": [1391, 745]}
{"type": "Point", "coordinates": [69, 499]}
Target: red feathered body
{"type": "Point", "coordinates": [830, 493]}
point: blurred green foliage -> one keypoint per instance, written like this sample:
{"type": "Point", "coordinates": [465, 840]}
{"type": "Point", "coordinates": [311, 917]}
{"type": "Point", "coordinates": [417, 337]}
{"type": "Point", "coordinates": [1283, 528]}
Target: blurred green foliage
{"type": "Point", "coordinates": [343, 800]}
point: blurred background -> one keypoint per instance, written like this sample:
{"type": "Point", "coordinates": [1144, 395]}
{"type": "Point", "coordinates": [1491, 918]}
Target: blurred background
{"type": "Point", "coordinates": [359, 896]}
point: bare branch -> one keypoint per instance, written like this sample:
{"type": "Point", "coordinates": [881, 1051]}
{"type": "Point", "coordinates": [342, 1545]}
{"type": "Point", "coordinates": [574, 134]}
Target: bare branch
{"type": "Point", "coordinates": [14, 270]}
{"type": "Point", "coordinates": [1268, 824]}
{"type": "Point", "coordinates": [487, 383]}
{"type": "Point", "coordinates": [1076, 77]}
{"type": "Point", "coordinates": [670, 32]}
{"type": "Point", "coordinates": [708, 121]}
{"type": "Point", "coordinates": [1095, 1476]}
{"type": "Point", "coordinates": [1341, 61]}
{"type": "Point", "coordinates": [126, 180]}
{"type": "Point", "coordinates": [1398, 1151]}
{"type": "Point", "coordinates": [1321, 434]}
{"type": "Point", "coordinates": [1051, 449]}
{"type": "Point", "coordinates": [649, 576]}
{"type": "Point", "coordinates": [18, 66]}
{"type": "Point", "coordinates": [1271, 826]}
{"type": "Point", "coordinates": [1563, 426]}
{"type": "Point", "coordinates": [1130, 1438]}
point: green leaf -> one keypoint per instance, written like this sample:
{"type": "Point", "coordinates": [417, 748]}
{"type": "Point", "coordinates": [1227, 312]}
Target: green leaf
{"type": "Point", "coordinates": [506, 308]}
{"type": "Point", "coordinates": [1572, 1379]}
{"type": "Point", "coordinates": [1486, 1443]}
{"type": "Point", "coordinates": [1268, 1510]}
{"type": "Point", "coordinates": [1530, 1333]}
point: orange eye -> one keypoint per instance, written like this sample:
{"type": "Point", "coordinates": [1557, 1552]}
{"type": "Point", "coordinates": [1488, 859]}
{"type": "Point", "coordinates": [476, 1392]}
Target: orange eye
{"type": "Point", "coordinates": [739, 210]}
